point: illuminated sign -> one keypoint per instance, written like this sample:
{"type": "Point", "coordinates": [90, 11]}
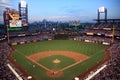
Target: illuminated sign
{"type": "Point", "coordinates": [106, 43]}
{"type": "Point", "coordinates": [14, 16]}
{"type": "Point", "coordinates": [109, 35]}
{"type": "Point", "coordinates": [15, 23]}
{"type": "Point", "coordinates": [89, 33]}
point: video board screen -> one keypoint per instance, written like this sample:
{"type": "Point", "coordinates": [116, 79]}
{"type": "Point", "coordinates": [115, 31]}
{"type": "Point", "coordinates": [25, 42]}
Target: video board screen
{"type": "Point", "coordinates": [15, 23]}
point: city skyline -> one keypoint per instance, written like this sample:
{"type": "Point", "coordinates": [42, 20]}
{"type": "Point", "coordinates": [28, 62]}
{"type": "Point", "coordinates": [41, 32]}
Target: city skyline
{"type": "Point", "coordinates": [64, 10]}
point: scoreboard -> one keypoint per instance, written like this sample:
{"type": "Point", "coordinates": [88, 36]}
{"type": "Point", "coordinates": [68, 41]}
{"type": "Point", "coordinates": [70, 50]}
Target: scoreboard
{"type": "Point", "coordinates": [12, 19]}
{"type": "Point", "coordinates": [17, 20]}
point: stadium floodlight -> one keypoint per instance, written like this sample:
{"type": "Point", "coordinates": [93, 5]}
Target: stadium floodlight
{"type": "Point", "coordinates": [23, 3]}
{"type": "Point", "coordinates": [101, 9]}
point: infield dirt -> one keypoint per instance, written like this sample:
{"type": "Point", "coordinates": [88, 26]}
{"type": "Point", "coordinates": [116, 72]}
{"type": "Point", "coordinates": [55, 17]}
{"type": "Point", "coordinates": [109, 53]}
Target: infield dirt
{"type": "Point", "coordinates": [57, 73]}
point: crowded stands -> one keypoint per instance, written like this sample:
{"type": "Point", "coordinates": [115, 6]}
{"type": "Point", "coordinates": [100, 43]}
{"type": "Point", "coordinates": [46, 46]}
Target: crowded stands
{"type": "Point", "coordinates": [112, 71]}
{"type": "Point", "coordinates": [5, 72]}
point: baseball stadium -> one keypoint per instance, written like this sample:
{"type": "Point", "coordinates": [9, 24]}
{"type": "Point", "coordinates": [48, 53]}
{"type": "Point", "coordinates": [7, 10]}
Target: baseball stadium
{"type": "Point", "coordinates": [58, 51]}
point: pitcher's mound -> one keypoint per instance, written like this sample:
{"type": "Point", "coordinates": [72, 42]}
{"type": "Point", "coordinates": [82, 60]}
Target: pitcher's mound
{"type": "Point", "coordinates": [56, 61]}
{"type": "Point", "coordinates": [54, 73]}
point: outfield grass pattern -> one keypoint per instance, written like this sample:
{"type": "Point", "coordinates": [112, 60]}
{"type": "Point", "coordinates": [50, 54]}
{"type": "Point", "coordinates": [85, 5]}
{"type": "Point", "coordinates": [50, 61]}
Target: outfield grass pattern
{"type": "Point", "coordinates": [94, 51]}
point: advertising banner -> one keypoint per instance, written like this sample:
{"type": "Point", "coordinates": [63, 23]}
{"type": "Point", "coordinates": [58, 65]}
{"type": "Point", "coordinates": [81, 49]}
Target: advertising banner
{"type": "Point", "coordinates": [15, 23]}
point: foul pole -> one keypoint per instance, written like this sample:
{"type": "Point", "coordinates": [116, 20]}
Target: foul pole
{"type": "Point", "coordinates": [113, 32]}
{"type": "Point", "coordinates": [8, 37]}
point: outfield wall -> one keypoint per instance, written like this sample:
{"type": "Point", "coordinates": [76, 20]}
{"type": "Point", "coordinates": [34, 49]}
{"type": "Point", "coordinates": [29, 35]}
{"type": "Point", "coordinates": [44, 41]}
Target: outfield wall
{"type": "Point", "coordinates": [93, 41]}
{"type": "Point", "coordinates": [27, 42]}
{"type": "Point", "coordinates": [77, 39]}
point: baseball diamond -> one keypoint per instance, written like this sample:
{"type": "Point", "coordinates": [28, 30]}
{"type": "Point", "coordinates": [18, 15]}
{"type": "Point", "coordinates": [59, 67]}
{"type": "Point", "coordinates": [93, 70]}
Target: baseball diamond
{"type": "Point", "coordinates": [76, 56]}
{"type": "Point", "coordinates": [73, 58]}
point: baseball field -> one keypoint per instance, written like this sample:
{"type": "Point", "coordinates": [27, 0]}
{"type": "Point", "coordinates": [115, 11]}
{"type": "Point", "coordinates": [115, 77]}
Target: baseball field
{"type": "Point", "coordinates": [58, 59]}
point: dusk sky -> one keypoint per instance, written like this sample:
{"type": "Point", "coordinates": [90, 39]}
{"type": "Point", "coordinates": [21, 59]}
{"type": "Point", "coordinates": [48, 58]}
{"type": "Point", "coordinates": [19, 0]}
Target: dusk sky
{"type": "Point", "coordinates": [64, 10]}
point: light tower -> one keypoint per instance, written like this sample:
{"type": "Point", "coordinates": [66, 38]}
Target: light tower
{"type": "Point", "coordinates": [23, 10]}
{"type": "Point", "coordinates": [102, 10]}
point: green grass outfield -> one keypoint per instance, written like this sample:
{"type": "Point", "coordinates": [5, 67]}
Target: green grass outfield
{"type": "Point", "coordinates": [94, 51]}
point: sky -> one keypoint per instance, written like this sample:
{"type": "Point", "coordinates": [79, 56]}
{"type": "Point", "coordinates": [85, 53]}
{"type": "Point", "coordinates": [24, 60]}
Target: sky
{"type": "Point", "coordinates": [64, 10]}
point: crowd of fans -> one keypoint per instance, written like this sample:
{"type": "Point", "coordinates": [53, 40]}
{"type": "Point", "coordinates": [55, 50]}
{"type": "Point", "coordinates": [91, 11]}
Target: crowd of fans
{"type": "Point", "coordinates": [5, 72]}
{"type": "Point", "coordinates": [112, 71]}
{"type": "Point", "coordinates": [30, 38]}
{"type": "Point", "coordinates": [102, 32]}
{"type": "Point", "coordinates": [105, 25]}
{"type": "Point", "coordinates": [104, 28]}
{"type": "Point", "coordinates": [94, 39]}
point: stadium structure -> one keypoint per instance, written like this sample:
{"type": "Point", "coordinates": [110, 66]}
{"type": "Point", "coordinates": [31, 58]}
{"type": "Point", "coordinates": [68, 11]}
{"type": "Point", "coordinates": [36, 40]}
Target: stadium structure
{"type": "Point", "coordinates": [59, 51]}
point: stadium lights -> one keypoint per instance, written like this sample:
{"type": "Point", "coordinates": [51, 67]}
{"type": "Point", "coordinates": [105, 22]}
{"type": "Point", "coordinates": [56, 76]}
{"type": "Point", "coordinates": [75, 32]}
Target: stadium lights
{"type": "Point", "coordinates": [102, 9]}
{"type": "Point", "coordinates": [23, 3]}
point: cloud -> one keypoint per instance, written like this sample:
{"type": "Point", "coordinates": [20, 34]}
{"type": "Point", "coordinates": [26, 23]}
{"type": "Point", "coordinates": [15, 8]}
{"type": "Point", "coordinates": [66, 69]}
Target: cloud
{"type": "Point", "coordinates": [5, 1]}
{"type": "Point", "coordinates": [4, 5]}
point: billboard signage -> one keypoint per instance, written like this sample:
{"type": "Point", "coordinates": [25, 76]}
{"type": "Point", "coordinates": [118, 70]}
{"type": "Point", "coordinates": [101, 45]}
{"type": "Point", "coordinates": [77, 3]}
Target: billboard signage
{"type": "Point", "coordinates": [14, 16]}
{"type": "Point", "coordinates": [15, 23]}
{"type": "Point", "coordinates": [90, 33]}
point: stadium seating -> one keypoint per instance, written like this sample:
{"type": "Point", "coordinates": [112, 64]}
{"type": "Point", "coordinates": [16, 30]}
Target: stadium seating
{"type": "Point", "coordinates": [112, 71]}
{"type": "Point", "coordinates": [5, 72]}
